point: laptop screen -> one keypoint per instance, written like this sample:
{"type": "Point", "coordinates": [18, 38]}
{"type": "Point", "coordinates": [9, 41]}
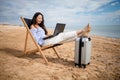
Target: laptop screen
{"type": "Point", "coordinates": [59, 28]}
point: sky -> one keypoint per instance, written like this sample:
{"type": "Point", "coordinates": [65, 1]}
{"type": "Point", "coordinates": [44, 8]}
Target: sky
{"type": "Point", "coordinates": [71, 12]}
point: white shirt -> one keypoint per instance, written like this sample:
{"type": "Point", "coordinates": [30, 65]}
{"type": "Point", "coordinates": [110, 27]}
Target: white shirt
{"type": "Point", "coordinates": [38, 34]}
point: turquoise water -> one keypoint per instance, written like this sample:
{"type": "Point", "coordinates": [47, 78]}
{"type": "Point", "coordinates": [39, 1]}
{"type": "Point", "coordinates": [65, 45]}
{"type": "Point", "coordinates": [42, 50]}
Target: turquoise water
{"type": "Point", "coordinates": [112, 31]}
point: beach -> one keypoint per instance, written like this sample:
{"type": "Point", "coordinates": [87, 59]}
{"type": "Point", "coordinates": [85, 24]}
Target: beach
{"type": "Point", "coordinates": [104, 64]}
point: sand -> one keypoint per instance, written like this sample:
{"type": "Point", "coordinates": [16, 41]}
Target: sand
{"type": "Point", "coordinates": [104, 65]}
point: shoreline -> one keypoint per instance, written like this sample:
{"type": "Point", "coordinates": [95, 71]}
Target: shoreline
{"type": "Point", "coordinates": [51, 29]}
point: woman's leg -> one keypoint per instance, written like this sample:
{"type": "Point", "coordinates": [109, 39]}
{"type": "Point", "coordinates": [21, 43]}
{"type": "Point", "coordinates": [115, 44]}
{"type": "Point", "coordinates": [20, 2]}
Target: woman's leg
{"type": "Point", "coordinates": [83, 32]}
{"type": "Point", "coordinates": [60, 38]}
{"type": "Point", "coordinates": [67, 36]}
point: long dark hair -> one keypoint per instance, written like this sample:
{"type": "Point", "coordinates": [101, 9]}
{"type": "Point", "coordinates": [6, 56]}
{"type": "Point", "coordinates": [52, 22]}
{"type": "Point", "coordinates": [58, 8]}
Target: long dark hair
{"type": "Point", "coordinates": [41, 24]}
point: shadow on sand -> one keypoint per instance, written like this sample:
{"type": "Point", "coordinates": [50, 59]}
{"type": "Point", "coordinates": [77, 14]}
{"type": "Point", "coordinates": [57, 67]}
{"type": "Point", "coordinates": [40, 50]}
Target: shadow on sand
{"type": "Point", "coordinates": [20, 54]}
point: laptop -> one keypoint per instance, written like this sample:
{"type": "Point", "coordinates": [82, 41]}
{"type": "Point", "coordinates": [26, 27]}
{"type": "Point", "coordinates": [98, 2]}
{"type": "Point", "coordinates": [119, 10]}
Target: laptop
{"type": "Point", "coordinates": [58, 29]}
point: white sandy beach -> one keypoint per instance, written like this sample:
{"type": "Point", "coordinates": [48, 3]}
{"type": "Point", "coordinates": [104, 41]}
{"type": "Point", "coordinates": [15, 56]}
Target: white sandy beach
{"type": "Point", "coordinates": [105, 59]}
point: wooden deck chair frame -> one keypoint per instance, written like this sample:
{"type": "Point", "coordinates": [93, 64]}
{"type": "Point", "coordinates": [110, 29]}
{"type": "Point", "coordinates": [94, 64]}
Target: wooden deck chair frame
{"type": "Point", "coordinates": [39, 48]}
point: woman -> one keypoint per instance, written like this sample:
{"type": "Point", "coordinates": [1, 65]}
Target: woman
{"type": "Point", "coordinates": [39, 31]}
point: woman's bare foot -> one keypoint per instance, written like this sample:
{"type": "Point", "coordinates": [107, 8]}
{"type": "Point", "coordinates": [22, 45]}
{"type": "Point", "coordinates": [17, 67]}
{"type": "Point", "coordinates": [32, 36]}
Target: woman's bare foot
{"type": "Point", "coordinates": [86, 30]}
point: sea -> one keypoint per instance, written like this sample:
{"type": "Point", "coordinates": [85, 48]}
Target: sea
{"type": "Point", "coordinates": [112, 31]}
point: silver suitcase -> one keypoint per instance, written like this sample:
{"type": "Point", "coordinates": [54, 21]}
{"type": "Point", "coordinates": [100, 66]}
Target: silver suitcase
{"type": "Point", "coordinates": [82, 51]}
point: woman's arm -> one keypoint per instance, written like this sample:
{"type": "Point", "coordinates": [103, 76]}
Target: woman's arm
{"type": "Point", "coordinates": [33, 30]}
{"type": "Point", "coordinates": [37, 34]}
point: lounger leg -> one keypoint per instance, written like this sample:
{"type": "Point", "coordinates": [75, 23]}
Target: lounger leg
{"type": "Point", "coordinates": [43, 56]}
{"type": "Point", "coordinates": [56, 52]}
{"type": "Point", "coordinates": [39, 49]}
{"type": "Point", "coordinates": [26, 42]}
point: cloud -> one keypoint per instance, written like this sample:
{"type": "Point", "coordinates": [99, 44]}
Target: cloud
{"type": "Point", "coordinates": [112, 16]}
{"type": "Point", "coordinates": [80, 5]}
{"type": "Point", "coordinates": [114, 3]}
{"type": "Point", "coordinates": [72, 12]}
{"type": "Point", "coordinates": [80, 14]}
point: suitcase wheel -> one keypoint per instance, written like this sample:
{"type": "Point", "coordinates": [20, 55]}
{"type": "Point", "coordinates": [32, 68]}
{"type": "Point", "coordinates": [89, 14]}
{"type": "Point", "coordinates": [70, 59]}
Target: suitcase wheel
{"type": "Point", "coordinates": [88, 63]}
{"type": "Point", "coordinates": [83, 66]}
{"type": "Point", "coordinates": [76, 65]}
